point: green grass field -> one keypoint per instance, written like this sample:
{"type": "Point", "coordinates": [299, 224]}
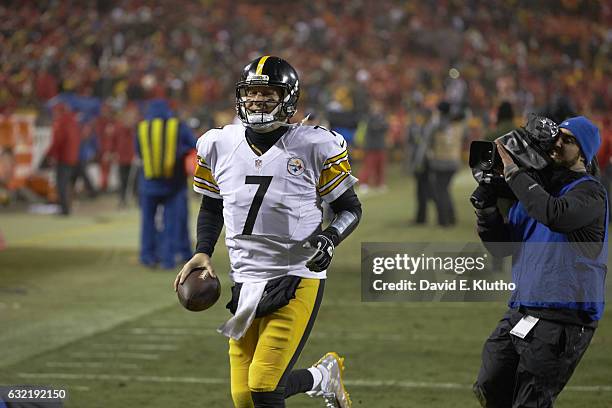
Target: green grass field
{"type": "Point", "coordinates": [78, 312]}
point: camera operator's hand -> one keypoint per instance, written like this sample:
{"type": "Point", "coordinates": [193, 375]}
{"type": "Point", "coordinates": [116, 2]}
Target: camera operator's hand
{"type": "Point", "coordinates": [510, 166]}
{"type": "Point", "coordinates": [483, 197]}
{"type": "Point", "coordinates": [503, 153]}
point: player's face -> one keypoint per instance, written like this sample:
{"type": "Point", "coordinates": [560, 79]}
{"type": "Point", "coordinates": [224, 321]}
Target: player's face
{"type": "Point", "coordinates": [566, 151]}
{"type": "Point", "coordinates": [261, 99]}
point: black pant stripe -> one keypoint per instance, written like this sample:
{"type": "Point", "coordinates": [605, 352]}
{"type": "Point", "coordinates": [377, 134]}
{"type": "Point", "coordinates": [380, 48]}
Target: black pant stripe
{"type": "Point", "coordinates": [300, 347]}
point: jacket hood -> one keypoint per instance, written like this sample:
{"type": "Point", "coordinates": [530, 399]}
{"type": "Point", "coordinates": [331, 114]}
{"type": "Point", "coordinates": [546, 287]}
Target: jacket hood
{"type": "Point", "coordinates": [158, 108]}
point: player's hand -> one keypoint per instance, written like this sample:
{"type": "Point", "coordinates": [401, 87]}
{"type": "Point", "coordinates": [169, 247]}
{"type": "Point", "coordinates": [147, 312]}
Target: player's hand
{"type": "Point", "coordinates": [324, 252]}
{"type": "Point", "coordinates": [199, 260]}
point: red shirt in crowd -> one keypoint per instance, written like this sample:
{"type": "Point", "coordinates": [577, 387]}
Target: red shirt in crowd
{"type": "Point", "coordinates": [105, 131]}
{"type": "Point", "coordinates": [605, 150]}
{"type": "Point", "coordinates": [65, 137]}
{"type": "Point", "coordinates": [123, 143]}
{"type": "Point", "coordinates": [46, 86]}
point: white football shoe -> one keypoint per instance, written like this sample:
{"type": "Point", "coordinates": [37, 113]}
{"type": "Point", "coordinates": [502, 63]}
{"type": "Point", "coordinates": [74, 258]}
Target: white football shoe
{"type": "Point", "coordinates": [331, 366]}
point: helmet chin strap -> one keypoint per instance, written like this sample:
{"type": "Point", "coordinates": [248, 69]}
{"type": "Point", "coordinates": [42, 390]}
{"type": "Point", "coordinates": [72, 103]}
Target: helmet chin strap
{"type": "Point", "coordinates": [267, 127]}
{"type": "Point", "coordinates": [264, 122]}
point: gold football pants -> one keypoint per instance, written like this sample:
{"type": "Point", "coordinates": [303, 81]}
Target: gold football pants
{"type": "Point", "coordinates": [261, 360]}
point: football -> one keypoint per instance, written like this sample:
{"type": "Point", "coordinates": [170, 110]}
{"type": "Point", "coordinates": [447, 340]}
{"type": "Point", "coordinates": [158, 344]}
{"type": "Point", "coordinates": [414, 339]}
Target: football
{"type": "Point", "coordinates": [199, 291]}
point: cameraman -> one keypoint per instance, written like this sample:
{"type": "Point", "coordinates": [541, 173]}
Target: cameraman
{"type": "Point", "coordinates": [559, 284]}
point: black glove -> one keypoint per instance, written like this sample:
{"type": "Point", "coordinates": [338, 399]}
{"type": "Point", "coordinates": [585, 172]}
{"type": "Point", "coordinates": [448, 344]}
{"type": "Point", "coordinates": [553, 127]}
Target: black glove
{"type": "Point", "coordinates": [483, 197]}
{"type": "Point", "coordinates": [324, 252]}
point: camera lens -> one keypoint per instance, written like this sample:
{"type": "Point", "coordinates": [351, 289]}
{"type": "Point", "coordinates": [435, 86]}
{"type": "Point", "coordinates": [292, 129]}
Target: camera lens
{"type": "Point", "coordinates": [482, 155]}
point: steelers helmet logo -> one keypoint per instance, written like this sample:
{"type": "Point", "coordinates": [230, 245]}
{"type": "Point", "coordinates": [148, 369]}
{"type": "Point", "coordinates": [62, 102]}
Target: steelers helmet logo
{"type": "Point", "coordinates": [295, 166]}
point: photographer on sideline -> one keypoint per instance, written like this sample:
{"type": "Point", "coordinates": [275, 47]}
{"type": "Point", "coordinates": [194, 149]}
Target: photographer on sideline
{"type": "Point", "coordinates": [559, 227]}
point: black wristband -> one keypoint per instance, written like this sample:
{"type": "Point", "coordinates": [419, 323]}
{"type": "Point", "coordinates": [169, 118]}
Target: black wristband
{"type": "Point", "coordinates": [332, 234]}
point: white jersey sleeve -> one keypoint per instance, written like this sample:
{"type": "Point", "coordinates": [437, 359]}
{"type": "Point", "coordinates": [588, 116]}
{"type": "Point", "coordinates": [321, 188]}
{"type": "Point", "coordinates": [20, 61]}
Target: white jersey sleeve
{"type": "Point", "coordinates": [203, 179]}
{"type": "Point", "coordinates": [335, 172]}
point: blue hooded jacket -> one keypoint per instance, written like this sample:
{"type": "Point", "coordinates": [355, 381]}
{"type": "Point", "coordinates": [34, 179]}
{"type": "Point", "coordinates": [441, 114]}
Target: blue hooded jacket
{"type": "Point", "coordinates": [159, 109]}
{"type": "Point", "coordinates": [549, 273]}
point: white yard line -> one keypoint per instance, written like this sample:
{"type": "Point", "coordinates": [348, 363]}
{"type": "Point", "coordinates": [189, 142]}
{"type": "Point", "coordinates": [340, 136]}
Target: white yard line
{"type": "Point", "coordinates": [138, 347]}
{"type": "Point", "coordinates": [90, 364]}
{"type": "Point", "coordinates": [167, 330]}
{"type": "Point", "coordinates": [207, 380]}
{"type": "Point", "coordinates": [114, 356]}
{"type": "Point", "coordinates": [175, 323]}
{"type": "Point", "coordinates": [149, 338]}
{"type": "Point", "coordinates": [408, 305]}
{"type": "Point", "coordinates": [167, 333]}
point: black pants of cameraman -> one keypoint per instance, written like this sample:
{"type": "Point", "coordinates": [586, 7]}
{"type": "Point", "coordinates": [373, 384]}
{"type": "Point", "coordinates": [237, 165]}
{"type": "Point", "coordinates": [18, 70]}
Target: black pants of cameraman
{"type": "Point", "coordinates": [529, 372]}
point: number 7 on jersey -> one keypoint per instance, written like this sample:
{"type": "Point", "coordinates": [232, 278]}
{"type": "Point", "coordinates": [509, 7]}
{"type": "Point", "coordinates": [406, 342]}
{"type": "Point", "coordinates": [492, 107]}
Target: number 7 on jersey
{"type": "Point", "coordinates": [264, 183]}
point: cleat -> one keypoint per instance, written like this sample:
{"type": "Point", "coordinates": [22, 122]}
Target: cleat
{"type": "Point", "coordinates": [332, 387]}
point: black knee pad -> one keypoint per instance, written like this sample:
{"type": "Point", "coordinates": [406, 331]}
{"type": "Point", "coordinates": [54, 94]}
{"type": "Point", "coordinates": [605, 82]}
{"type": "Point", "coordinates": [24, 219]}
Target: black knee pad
{"type": "Point", "coordinates": [272, 399]}
{"type": "Point", "coordinates": [479, 393]}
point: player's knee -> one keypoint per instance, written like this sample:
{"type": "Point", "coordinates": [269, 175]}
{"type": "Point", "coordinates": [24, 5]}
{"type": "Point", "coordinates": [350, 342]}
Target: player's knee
{"type": "Point", "coordinates": [261, 386]}
{"type": "Point", "coordinates": [271, 399]}
{"type": "Point", "coordinates": [239, 360]}
{"type": "Point", "coordinates": [479, 392]}
{"type": "Point", "coordinates": [262, 379]}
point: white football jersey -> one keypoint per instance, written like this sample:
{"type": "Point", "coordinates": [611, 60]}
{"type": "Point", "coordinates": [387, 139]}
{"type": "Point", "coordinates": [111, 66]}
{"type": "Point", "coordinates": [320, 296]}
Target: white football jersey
{"type": "Point", "coordinates": [271, 203]}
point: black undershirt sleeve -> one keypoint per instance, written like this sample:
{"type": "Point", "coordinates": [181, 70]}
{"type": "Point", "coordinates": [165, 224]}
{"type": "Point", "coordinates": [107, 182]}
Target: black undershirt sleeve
{"type": "Point", "coordinates": [348, 201]}
{"type": "Point", "coordinates": [210, 224]}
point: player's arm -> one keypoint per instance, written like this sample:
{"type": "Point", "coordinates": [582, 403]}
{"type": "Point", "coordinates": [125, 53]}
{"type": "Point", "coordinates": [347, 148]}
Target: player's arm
{"type": "Point", "coordinates": [210, 216]}
{"type": "Point", "coordinates": [335, 186]}
{"type": "Point", "coordinates": [347, 210]}
{"type": "Point", "coordinates": [209, 226]}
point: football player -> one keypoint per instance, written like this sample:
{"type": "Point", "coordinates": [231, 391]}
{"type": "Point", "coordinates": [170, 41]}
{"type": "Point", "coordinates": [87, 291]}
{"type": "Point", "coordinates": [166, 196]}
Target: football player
{"type": "Point", "coordinates": [265, 179]}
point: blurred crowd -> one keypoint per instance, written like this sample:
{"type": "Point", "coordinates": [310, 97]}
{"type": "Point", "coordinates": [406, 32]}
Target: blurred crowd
{"type": "Point", "coordinates": [474, 53]}
{"type": "Point", "coordinates": [406, 57]}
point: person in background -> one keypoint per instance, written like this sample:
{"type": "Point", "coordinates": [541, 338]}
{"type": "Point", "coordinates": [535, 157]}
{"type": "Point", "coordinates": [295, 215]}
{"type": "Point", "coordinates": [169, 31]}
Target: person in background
{"type": "Point", "coordinates": [162, 143]}
{"type": "Point", "coordinates": [418, 165]}
{"type": "Point", "coordinates": [373, 170]}
{"type": "Point", "coordinates": [444, 157]}
{"type": "Point", "coordinates": [604, 158]}
{"type": "Point", "coordinates": [104, 128]}
{"type": "Point", "coordinates": [123, 149]}
{"type": "Point", "coordinates": [88, 150]}
{"type": "Point", "coordinates": [504, 122]}
{"type": "Point", "coordinates": [64, 153]}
